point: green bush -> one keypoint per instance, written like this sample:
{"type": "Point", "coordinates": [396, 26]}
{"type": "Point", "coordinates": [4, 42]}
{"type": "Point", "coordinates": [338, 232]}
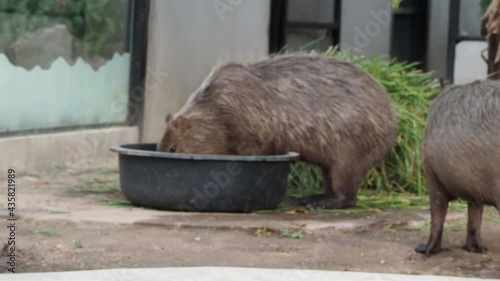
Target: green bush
{"type": "Point", "coordinates": [411, 91]}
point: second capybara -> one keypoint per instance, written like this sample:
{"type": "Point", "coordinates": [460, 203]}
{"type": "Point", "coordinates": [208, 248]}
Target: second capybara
{"type": "Point", "coordinates": [461, 157]}
{"type": "Point", "coordinates": [332, 113]}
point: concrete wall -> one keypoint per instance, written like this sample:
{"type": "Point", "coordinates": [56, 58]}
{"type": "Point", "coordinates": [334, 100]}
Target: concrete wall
{"type": "Point", "coordinates": [366, 26]}
{"type": "Point", "coordinates": [438, 36]}
{"type": "Point", "coordinates": [470, 17]}
{"type": "Point", "coordinates": [468, 64]}
{"type": "Point", "coordinates": [186, 39]}
{"type": "Point", "coordinates": [49, 152]}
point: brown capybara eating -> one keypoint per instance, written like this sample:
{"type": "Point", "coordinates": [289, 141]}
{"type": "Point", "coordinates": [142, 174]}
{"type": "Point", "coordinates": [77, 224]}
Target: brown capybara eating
{"type": "Point", "coordinates": [461, 157]}
{"type": "Point", "coordinates": [335, 115]}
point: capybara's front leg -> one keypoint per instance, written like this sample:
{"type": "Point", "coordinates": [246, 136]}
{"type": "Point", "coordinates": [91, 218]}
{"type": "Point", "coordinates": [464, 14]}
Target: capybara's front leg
{"type": "Point", "coordinates": [475, 215]}
{"type": "Point", "coordinates": [439, 207]}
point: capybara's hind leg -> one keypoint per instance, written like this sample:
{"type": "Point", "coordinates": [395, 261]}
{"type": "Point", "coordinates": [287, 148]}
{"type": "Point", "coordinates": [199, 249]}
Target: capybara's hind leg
{"type": "Point", "coordinates": [340, 192]}
{"type": "Point", "coordinates": [439, 207]}
{"type": "Point", "coordinates": [327, 187]}
{"type": "Point", "coordinates": [475, 215]}
{"type": "Point", "coordinates": [497, 197]}
{"type": "Point", "coordinates": [327, 180]}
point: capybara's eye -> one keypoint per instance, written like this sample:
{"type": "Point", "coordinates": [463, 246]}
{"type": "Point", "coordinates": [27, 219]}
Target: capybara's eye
{"type": "Point", "coordinates": [173, 148]}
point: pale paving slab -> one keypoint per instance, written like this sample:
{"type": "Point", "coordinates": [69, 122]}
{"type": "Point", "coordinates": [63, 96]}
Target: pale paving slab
{"type": "Point", "coordinates": [42, 207]}
{"type": "Point", "coordinates": [221, 274]}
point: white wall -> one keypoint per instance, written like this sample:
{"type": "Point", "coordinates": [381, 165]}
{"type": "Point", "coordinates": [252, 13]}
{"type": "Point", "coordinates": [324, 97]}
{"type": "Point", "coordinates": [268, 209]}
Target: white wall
{"type": "Point", "coordinates": [187, 38]}
{"type": "Point", "coordinates": [367, 26]}
{"type": "Point", "coordinates": [469, 65]}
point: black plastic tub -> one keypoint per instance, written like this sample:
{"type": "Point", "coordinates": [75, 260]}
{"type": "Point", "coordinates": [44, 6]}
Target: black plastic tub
{"type": "Point", "coordinates": [202, 183]}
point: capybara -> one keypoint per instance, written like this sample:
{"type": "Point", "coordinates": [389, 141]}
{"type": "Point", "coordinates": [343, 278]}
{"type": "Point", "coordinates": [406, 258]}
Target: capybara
{"type": "Point", "coordinates": [461, 157]}
{"type": "Point", "coordinates": [335, 115]}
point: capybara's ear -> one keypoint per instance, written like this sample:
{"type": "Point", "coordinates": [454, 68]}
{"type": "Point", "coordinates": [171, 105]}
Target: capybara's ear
{"type": "Point", "coordinates": [180, 122]}
{"type": "Point", "coordinates": [168, 117]}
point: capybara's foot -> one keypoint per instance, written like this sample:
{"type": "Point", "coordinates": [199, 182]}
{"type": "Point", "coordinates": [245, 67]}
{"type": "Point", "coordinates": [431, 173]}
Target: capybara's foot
{"type": "Point", "coordinates": [330, 203]}
{"type": "Point", "coordinates": [304, 201]}
{"type": "Point", "coordinates": [426, 250]}
{"type": "Point", "coordinates": [322, 201]}
{"type": "Point", "coordinates": [475, 248]}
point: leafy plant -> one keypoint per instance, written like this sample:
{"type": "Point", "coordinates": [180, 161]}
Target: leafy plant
{"type": "Point", "coordinates": [294, 234]}
{"type": "Point", "coordinates": [263, 232]}
{"type": "Point", "coordinates": [93, 22]}
{"type": "Point", "coordinates": [484, 5]}
{"type": "Point", "coordinates": [396, 3]}
{"type": "Point", "coordinates": [79, 242]}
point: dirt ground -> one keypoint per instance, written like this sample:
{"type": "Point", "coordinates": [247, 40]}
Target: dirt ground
{"type": "Point", "coordinates": [58, 232]}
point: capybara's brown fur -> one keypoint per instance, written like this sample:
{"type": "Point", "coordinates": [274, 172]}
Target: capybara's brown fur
{"type": "Point", "coordinates": [461, 157]}
{"type": "Point", "coordinates": [332, 113]}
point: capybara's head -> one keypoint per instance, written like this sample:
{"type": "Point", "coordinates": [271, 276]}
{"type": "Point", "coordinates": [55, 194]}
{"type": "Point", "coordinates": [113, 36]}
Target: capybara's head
{"type": "Point", "coordinates": [194, 135]}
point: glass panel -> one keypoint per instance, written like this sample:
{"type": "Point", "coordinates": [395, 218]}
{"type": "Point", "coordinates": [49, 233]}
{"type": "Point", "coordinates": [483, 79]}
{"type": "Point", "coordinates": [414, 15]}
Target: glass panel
{"type": "Point", "coordinates": [63, 63]}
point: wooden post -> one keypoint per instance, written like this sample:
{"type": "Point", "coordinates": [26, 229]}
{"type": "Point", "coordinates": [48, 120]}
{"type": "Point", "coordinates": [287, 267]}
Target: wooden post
{"type": "Point", "coordinates": [493, 68]}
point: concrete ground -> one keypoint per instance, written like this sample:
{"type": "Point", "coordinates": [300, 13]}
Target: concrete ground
{"type": "Point", "coordinates": [73, 219]}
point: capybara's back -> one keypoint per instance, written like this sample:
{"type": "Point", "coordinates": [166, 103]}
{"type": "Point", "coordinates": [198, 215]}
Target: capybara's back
{"type": "Point", "coordinates": [332, 113]}
{"type": "Point", "coordinates": [461, 156]}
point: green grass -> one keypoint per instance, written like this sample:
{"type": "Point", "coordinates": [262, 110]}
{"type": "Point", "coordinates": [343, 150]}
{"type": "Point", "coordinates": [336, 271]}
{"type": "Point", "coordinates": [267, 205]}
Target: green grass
{"type": "Point", "coordinates": [79, 242]}
{"type": "Point", "coordinates": [114, 202]}
{"type": "Point", "coordinates": [45, 232]}
{"type": "Point", "coordinates": [411, 91]}
{"type": "Point", "coordinates": [97, 186]}
{"type": "Point", "coordinates": [294, 234]}
{"type": "Point", "coordinates": [492, 219]}
{"type": "Point", "coordinates": [57, 212]}
{"type": "Point", "coordinates": [426, 228]}
{"type": "Point", "coordinates": [35, 175]}
{"type": "Point", "coordinates": [105, 171]}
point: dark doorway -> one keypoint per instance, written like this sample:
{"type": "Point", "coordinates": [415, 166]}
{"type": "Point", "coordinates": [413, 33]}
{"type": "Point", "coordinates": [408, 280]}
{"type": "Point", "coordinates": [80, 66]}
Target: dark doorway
{"type": "Point", "coordinates": [409, 32]}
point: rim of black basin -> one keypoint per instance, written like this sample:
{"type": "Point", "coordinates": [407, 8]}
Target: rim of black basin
{"type": "Point", "coordinates": [128, 149]}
